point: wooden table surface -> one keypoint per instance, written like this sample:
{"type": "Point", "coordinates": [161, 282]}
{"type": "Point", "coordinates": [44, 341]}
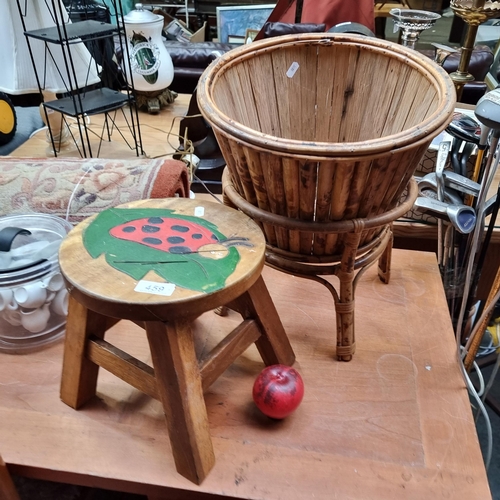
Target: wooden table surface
{"type": "Point", "coordinates": [395, 422]}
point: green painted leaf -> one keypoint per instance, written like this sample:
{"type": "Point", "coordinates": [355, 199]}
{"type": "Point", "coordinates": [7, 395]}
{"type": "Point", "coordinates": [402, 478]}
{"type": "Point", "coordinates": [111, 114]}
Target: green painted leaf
{"type": "Point", "coordinates": [193, 271]}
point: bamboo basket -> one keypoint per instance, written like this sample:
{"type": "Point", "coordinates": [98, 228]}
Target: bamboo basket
{"type": "Point", "coordinates": [322, 128]}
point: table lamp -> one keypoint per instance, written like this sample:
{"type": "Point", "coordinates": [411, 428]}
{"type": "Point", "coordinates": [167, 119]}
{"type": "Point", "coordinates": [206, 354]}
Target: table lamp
{"type": "Point", "coordinates": [45, 69]}
{"type": "Point", "coordinates": [474, 13]}
{"type": "Point", "coordinates": [18, 75]}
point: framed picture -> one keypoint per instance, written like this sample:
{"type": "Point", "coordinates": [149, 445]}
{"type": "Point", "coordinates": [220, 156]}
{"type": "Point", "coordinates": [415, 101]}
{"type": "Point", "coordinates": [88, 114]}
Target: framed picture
{"type": "Point", "coordinates": [491, 78]}
{"type": "Point", "coordinates": [236, 39]}
{"type": "Point", "coordinates": [234, 21]}
{"type": "Point", "coordinates": [250, 35]}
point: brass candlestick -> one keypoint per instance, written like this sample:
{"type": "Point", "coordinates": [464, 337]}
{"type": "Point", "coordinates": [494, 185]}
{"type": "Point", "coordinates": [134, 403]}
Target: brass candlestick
{"type": "Point", "coordinates": [474, 13]}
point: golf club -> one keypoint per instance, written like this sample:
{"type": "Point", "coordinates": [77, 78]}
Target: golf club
{"type": "Point", "coordinates": [455, 152]}
{"type": "Point", "coordinates": [487, 112]}
{"type": "Point", "coordinates": [463, 128]}
{"type": "Point", "coordinates": [492, 205]}
{"type": "Point", "coordinates": [444, 148]}
{"type": "Point", "coordinates": [442, 156]}
{"type": "Point", "coordinates": [462, 217]}
{"type": "Point", "coordinates": [467, 151]}
{"type": "Point", "coordinates": [454, 184]}
{"type": "Point", "coordinates": [427, 186]}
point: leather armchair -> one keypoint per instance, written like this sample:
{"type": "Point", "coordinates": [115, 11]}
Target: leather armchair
{"type": "Point", "coordinates": [190, 60]}
{"type": "Point", "coordinates": [480, 63]}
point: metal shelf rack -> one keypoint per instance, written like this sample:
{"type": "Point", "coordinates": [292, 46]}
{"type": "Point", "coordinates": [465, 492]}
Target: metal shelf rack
{"type": "Point", "coordinates": [81, 97]}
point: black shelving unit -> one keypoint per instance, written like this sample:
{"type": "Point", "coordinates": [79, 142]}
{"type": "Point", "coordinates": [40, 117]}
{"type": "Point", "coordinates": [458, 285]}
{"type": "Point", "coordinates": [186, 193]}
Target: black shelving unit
{"type": "Point", "coordinates": [82, 99]}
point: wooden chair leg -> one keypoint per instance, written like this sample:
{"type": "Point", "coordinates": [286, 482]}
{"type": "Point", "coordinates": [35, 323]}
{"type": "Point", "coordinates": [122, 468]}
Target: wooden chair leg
{"type": "Point", "coordinates": [7, 488]}
{"type": "Point", "coordinates": [180, 390]}
{"type": "Point", "coordinates": [79, 374]}
{"type": "Point", "coordinates": [273, 344]}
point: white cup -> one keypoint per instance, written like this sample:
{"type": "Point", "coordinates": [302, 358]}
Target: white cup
{"type": "Point", "coordinates": [35, 320]}
{"type": "Point", "coordinates": [12, 317]}
{"type": "Point", "coordinates": [60, 303]}
{"type": "Point", "coordinates": [5, 298]}
{"type": "Point", "coordinates": [31, 296]}
{"type": "Point", "coordinates": [12, 305]}
{"type": "Point", "coordinates": [54, 283]}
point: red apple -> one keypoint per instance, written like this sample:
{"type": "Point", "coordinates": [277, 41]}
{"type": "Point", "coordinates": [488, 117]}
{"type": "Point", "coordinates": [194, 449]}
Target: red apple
{"type": "Point", "coordinates": [278, 391]}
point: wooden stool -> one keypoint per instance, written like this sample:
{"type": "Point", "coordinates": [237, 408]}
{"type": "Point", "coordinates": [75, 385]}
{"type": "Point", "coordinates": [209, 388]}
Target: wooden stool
{"type": "Point", "coordinates": [160, 264]}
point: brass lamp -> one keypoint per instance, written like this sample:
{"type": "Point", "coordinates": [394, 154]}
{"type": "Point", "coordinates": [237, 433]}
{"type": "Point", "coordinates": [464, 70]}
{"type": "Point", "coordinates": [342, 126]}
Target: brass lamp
{"type": "Point", "coordinates": [474, 13]}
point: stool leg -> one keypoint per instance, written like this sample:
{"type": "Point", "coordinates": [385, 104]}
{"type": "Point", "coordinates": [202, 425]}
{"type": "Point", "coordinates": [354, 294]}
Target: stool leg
{"type": "Point", "coordinates": [179, 387]}
{"type": "Point", "coordinates": [79, 374]}
{"type": "Point", "coordinates": [7, 487]}
{"type": "Point", "coordinates": [273, 344]}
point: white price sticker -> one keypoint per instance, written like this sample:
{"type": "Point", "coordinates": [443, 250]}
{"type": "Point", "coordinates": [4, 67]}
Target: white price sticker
{"type": "Point", "coordinates": [155, 288]}
{"type": "Point", "coordinates": [292, 69]}
{"type": "Point", "coordinates": [199, 211]}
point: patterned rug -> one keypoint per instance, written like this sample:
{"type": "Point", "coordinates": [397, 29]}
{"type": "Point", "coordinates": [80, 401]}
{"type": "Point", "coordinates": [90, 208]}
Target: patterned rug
{"type": "Point", "coordinates": [82, 187]}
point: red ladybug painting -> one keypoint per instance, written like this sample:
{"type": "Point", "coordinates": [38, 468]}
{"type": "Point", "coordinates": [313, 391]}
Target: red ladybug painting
{"type": "Point", "coordinates": [185, 250]}
{"type": "Point", "coordinates": [170, 235]}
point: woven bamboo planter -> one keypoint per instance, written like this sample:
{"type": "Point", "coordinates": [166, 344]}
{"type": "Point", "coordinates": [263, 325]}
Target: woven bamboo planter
{"type": "Point", "coordinates": [321, 134]}
{"type": "Point", "coordinates": [323, 127]}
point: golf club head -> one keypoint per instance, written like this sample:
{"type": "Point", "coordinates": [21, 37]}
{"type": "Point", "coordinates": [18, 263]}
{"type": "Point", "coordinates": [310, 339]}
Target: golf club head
{"type": "Point", "coordinates": [464, 127]}
{"type": "Point", "coordinates": [460, 183]}
{"type": "Point", "coordinates": [455, 154]}
{"type": "Point", "coordinates": [453, 181]}
{"type": "Point", "coordinates": [442, 156]}
{"type": "Point", "coordinates": [461, 217]}
{"type": "Point", "coordinates": [465, 156]}
{"type": "Point", "coordinates": [427, 186]}
{"type": "Point", "coordinates": [487, 111]}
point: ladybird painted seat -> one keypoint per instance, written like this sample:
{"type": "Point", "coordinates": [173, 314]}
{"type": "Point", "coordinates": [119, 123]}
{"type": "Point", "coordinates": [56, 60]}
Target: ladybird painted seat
{"type": "Point", "coordinates": [161, 264]}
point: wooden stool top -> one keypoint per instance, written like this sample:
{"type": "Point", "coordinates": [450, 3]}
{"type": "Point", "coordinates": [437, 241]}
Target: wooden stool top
{"type": "Point", "coordinates": [151, 259]}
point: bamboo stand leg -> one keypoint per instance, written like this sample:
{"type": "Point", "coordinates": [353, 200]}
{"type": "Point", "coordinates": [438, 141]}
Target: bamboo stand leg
{"type": "Point", "coordinates": [344, 307]}
{"type": "Point", "coordinates": [384, 263]}
{"type": "Point", "coordinates": [79, 374]}
{"type": "Point", "coordinates": [179, 387]}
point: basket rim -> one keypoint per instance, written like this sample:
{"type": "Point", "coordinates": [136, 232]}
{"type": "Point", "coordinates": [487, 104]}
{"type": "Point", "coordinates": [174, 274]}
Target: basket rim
{"type": "Point", "coordinates": [308, 157]}
{"type": "Point", "coordinates": [430, 127]}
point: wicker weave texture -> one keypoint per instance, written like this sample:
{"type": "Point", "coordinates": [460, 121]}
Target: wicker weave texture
{"type": "Point", "coordinates": [324, 127]}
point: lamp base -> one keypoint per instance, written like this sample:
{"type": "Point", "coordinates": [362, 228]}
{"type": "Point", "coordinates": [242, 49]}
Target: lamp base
{"type": "Point", "coordinates": [154, 101]}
